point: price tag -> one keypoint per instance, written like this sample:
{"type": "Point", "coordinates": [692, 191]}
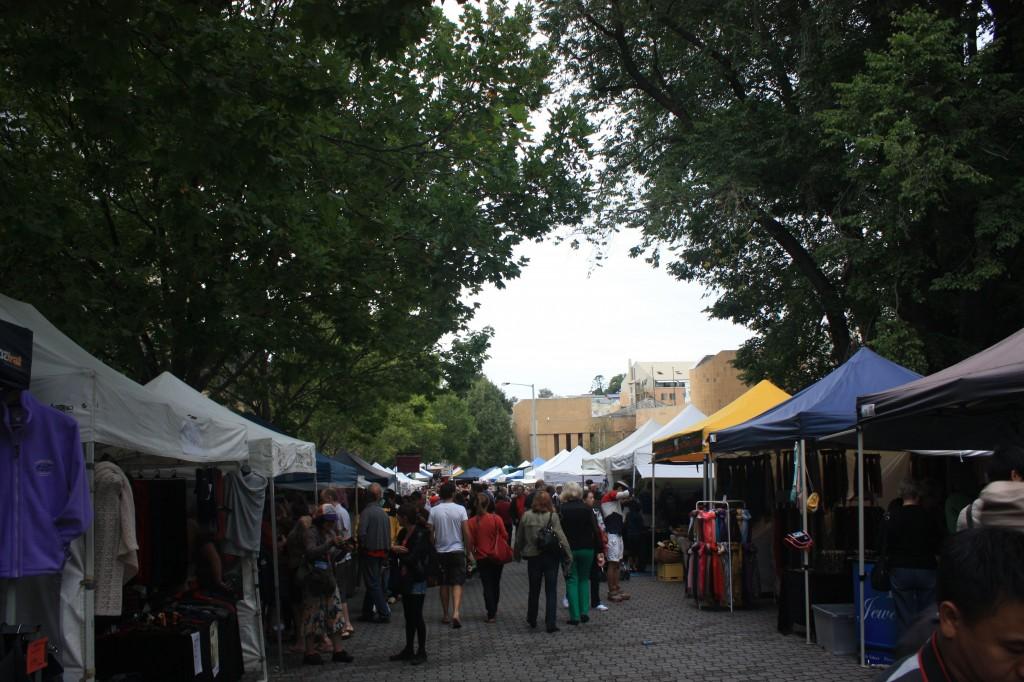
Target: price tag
{"type": "Point", "coordinates": [35, 655]}
{"type": "Point", "coordinates": [214, 650]}
{"type": "Point", "coordinates": [197, 654]}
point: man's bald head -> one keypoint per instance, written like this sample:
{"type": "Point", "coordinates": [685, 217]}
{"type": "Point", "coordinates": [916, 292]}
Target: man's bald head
{"type": "Point", "coordinates": [376, 491]}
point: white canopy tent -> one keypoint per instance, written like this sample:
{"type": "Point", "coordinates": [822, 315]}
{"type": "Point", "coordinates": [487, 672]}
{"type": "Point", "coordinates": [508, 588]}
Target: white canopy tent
{"type": "Point", "coordinates": [270, 454]}
{"type": "Point", "coordinates": [570, 468]}
{"type": "Point", "coordinates": [492, 475]}
{"type": "Point", "coordinates": [125, 420]}
{"type": "Point", "coordinates": [619, 457]}
{"type": "Point", "coordinates": [525, 464]}
{"type": "Point", "coordinates": [538, 472]}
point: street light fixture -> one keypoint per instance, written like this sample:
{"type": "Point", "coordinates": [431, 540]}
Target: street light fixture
{"type": "Point", "coordinates": [533, 418]}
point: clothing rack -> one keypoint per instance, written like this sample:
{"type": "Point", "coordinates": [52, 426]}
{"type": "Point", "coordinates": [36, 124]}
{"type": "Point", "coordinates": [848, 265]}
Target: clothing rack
{"type": "Point", "coordinates": [729, 505]}
{"type": "Point", "coordinates": [29, 634]}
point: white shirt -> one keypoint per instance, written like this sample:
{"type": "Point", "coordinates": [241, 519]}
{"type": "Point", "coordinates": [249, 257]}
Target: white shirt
{"type": "Point", "coordinates": [447, 519]}
{"type": "Point", "coordinates": [344, 522]}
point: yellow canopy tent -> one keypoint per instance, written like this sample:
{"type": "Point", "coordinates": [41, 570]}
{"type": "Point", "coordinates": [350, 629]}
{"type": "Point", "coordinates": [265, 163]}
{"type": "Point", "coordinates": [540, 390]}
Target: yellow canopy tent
{"type": "Point", "coordinates": [691, 444]}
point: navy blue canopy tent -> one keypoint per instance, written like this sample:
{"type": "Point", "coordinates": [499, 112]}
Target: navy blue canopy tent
{"type": "Point", "coordinates": [329, 472]}
{"type": "Point", "coordinates": [471, 474]}
{"type": "Point", "coordinates": [823, 408]}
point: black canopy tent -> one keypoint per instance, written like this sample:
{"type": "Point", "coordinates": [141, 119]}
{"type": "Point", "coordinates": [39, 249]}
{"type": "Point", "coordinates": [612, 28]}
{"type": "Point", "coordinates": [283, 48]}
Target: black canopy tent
{"type": "Point", "coordinates": [976, 404]}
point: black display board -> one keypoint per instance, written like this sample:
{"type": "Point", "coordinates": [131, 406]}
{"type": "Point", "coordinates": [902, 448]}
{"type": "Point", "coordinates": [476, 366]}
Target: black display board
{"type": "Point", "coordinates": [15, 356]}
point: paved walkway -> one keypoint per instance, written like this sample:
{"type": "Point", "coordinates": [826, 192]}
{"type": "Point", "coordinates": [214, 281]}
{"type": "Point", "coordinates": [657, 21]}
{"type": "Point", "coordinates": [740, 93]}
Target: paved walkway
{"type": "Point", "coordinates": [686, 644]}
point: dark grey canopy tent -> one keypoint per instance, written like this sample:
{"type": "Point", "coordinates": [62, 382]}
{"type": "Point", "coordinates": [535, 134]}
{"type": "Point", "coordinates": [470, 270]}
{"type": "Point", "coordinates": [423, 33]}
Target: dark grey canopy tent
{"type": "Point", "coordinates": [976, 404]}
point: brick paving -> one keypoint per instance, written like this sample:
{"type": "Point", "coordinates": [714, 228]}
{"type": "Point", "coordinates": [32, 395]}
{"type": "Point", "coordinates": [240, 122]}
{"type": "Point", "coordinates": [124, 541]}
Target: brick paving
{"type": "Point", "coordinates": [686, 643]}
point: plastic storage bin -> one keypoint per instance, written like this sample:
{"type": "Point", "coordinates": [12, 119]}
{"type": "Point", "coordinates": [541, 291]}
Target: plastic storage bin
{"type": "Point", "coordinates": [836, 627]}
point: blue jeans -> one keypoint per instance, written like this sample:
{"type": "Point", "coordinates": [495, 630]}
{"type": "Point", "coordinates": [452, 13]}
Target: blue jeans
{"type": "Point", "coordinates": [543, 567]}
{"type": "Point", "coordinates": [373, 582]}
{"type": "Point", "coordinates": [913, 591]}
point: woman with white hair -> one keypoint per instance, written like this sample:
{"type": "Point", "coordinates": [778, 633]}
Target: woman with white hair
{"type": "Point", "coordinates": [584, 537]}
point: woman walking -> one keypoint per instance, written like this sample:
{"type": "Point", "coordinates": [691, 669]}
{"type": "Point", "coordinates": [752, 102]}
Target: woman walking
{"type": "Point", "coordinates": [413, 548]}
{"type": "Point", "coordinates": [584, 537]}
{"type": "Point", "coordinates": [490, 545]}
{"type": "Point", "coordinates": [542, 559]}
{"type": "Point", "coordinates": [321, 604]}
{"type": "Point", "coordinates": [597, 570]}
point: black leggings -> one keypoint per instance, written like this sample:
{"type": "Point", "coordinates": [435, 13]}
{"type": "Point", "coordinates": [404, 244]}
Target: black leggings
{"type": "Point", "coordinates": [412, 606]}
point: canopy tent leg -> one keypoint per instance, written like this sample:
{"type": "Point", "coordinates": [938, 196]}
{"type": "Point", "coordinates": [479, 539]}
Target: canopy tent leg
{"type": "Point", "coordinates": [806, 557]}
{"type": "Point", "coordinates": [654, 497]}
{"type": "Point", "coordinates": [277, 578]}
{"type": "Point", "coordinates": [860, 540]}
{"type": "Point", "coordinates": [89, 579]}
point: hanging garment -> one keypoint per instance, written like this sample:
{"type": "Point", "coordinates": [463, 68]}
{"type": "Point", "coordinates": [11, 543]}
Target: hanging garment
{"type": "Point", "coordinates": [206, 497]}
{"type": "Point", "coordinates": [117, 559]}
{"type": "Point", "coordinates": [44, 492]}
{"type": "Point", "coordinates": [163, 535]}
{"type": "Point", "coordinates": [245, 495]}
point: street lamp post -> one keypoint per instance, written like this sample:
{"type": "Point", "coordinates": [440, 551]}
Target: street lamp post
{"type": "Point", "coordinates": [533, 418]}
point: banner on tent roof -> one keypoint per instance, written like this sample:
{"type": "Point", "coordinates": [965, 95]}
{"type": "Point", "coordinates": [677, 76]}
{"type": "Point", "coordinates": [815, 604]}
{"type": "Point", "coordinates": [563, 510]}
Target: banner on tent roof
{"type": "Point", "coordinates": [684, 448]}
{"type": "Point", "coordinates": [408, 462]}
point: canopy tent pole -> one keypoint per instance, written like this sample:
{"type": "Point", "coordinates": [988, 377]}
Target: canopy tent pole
{"type": "Point", "coordinates": [654, 479]}
{"type": "Point", "coordinates": [806, 557]}
{"type": "Point", "coordinates": [88, 580]}
{"type": "Point", "coordinates": [277, 578]}
{"type": "Point", "coordinates": [860, 538]}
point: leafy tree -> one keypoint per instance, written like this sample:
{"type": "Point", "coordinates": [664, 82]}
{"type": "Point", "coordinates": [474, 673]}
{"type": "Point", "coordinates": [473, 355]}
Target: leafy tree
{"type": "Point", "coordinates": [284, 203]}
{"type": "Point", "coordinates": [833, 169]}
{"type": "Point", "coordinates": [545, 393]}
{"type": "Point", "coordinates": [459, 431]}
{"type": "Point", "coordinates": [615, 383]}
{"type": "Point", "coordinates": [494, 443]}
{"type": "Point", "coordinates": [597, 385]}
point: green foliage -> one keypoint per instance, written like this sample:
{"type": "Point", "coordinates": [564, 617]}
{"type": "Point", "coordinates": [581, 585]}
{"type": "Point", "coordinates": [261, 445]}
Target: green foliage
{"type": "Point", "coordinates": [838, 173]}
{"type": "Point", "coordinates": [545, 393]}
{"type": "Point", "coordinates": [615, 383]}
{"type": "Point", "coordinates": [494, 443]}
{"type": "Point", "coordinates": [470, 430]}
{"type": "Point", "coordinates": [286, 204]}
{"type": "Point", "coordinates": [597, 385]}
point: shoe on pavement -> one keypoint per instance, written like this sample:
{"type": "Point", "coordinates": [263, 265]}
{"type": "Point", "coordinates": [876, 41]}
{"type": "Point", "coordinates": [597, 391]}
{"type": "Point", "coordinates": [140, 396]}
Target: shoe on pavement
{"type": "Point", "coordinates": [403, 655]}
{"type": "Point", "coordinates": [565, 602]}
{"type": "Point", "coordinates": [342, 657]}
{"type": "Point", "coordinates": [312, 659]}
{"type": "Point", "coordinates": [601, 607]}
{"type": "Point", "coordinates": [419, 659]}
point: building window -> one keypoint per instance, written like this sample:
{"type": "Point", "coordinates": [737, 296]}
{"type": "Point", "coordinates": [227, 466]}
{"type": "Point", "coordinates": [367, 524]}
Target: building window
{"type": "Point", "coordinates": [568, 441]}
{"type": "Point", "coordinates": [591, 441]}
{"type": "Point", "coordinates": [579, 439]}
{"type": "Point", "coordinates": [557, 449]}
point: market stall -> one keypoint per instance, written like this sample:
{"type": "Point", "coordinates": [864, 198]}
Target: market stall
{"type": "Point", "coordinates": [820, 409]}
{"type": "Point", "coordinates": [123, 424]}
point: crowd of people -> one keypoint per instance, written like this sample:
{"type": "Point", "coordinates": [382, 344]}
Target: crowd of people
{"type": "Point", "coordinates": [959, 596]}
{"type": "Point", "coordinates": [398, 547]}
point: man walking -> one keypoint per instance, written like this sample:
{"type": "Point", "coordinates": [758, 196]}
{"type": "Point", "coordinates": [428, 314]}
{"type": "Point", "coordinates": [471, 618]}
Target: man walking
{"type": "Point", "coordinates": [614, 521]}
{"type": "Point", "coordinates": [374, 543]}
{"type": "Point", "coordinates": [452, 542]}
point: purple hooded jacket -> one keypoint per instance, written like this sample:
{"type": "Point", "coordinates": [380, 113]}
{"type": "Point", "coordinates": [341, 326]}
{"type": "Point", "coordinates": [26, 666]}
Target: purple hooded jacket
{"type": "Point", "coordinates": [44, 492]}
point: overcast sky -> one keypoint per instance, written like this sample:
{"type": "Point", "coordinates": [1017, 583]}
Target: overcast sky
{"type": "Point", "coordinates": [565, 321]}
